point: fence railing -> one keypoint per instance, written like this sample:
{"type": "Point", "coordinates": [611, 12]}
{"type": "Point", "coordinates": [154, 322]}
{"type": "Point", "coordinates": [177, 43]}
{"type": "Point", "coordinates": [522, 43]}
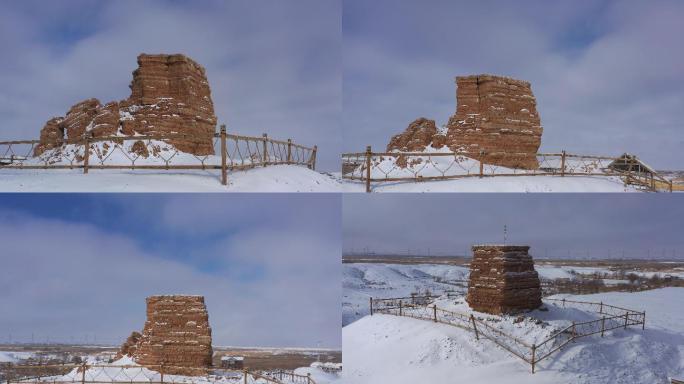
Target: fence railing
{"type": "Point", "coordinates": [233, 152]}
{"type": "Point", "coordinates": [375, 167]}
{"type": "Point", "coordinates": [136, 374]}
{"type": "Point", "coordinates": [612, 317]}
{"type": "Point", "coordinates": [290, 376]}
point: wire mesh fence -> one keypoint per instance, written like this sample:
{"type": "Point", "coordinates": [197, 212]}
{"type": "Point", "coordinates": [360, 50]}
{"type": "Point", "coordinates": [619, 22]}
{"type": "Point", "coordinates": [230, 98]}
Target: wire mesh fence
{"type": "Point", "coordinates": [222, 151]}
{"type": "Point", "coordinates": [612, 317]}
{"type": "Point", "coordinates": [375, 167]}
{"type": "Point", "coordinates": [136, 374]}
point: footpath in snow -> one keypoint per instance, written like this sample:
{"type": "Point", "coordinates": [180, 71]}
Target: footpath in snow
{"type": "Point", "coordinates": [386, 348]}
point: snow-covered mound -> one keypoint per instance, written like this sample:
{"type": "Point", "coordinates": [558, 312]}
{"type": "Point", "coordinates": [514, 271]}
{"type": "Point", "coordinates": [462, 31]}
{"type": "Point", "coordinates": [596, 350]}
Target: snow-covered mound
{"type": "Point", "coordinates": [133, 372]}
{"type": "Point", "coordinates": [275, 178]}
{"type": "Point", "coordinates": [386, 348]}
{"type": "Point", "coordinates": [321, 375]}
{"type": "Point", "coordinates": [440, 162]}
{"type": "Point", "coordinates": [128, 152]}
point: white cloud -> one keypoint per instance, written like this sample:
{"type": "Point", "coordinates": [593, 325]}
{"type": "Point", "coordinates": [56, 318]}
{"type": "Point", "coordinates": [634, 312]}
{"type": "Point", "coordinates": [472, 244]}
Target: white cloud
{"type": "Point", "coordinates": [62, 279]}
{"type": "Point", "coordinates": [284, 79]}
{"type": "Point", "coordinates": [607, 76]}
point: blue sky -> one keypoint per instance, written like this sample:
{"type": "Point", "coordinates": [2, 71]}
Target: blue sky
{"type": "Point", "coordinates": [273, 66]}
{"type": "Point", "coordinates": [553, 225]}
{"type": "Point", "coordinates": [76, 265]}
{"type": "Point", "coordinates": [608, 75]}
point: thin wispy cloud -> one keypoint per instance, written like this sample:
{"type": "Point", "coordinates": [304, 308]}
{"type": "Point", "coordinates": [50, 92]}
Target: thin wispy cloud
{"type": "Point", "coordinates": [268, 283]}
{"type": "Point", "coordinates": [273, 66]}
{"type": "Point", "coordinates": [607, 75]}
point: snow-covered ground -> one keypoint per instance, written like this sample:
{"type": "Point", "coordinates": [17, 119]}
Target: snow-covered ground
{"type": "Point", "coordinates": [361, 281]}
{"type": "Point", "coordinates": [13, 356]}
{"type": "Point", "coordinates": [133, 372]}
{"type": "Point", "coordinates": [564, 271]}
{"type": "Point", "coordinates": [385, 348]}
{"type": "Point", "coordinates": [319, 375]}
{"type": "Point", "coordinates": [276, 178]}
{"type": "Point", "coordinates": [500, 184]}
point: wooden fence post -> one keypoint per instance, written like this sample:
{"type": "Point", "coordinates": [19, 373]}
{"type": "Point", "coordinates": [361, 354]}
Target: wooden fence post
{"type": "Point", "coordinates": [601, 308]}
{"type": "Point", "coordinates": [626, 313]}
{"type": "Point", "coordinates": [245, 376]}
{"type": "Point", "coordinates": [472, 319]}
{"type": "Point", "coordinates": [670, 186]}
{"type": "Point", "coordinates": [312, 166]}
{"type": "Point", "coordinates": [289, 151]}
{"type": "Point", "coordinates": [224, 155]}
{"type": "Point", "coordinates": [265, 150]}
{"type": "Point", "coordinates": [643, 321]}
{"type": "Point", "coordinates": [86, 151]}
{"type": "Point", "coordinates": [434, 312]}
{"type": "Point", "coordinates": [534, 352]}
{"type": "Point", "coordinates": [84, 367]}
{"type": "Point", "coordinates": [368, 168]}
{"type": "Point", "coordinates": [603, 325]}
{"type": "Point", "coordinates": [563, 163]}
{"type": "Point", "coordinates": [370, 300]}
{"type": "Point", "coordinates": [308, 378]}
{"type": "Point", "coordinates": [401, 307]}
{"type": "Point", "coordinates": [564, 302]}
{"type": "Point", "coordinates": [161, 373]}
{"type": "Point", "coordinates": [481, 163]}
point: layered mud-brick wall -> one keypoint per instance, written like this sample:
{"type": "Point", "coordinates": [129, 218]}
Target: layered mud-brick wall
{"type": "Point", "coordinates": [503, 280]}
{"type": "Point", "coordinates": [497, 115]}
{"type": "Point", "coordinates": [176, 334]}
{"type": "Point", "coordinates": [170, 95]}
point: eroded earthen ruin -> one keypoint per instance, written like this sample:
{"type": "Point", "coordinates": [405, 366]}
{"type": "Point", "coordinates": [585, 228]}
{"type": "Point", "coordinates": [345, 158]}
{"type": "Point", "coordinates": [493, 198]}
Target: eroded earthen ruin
{"type": "Point", "coordinates": [176, 335]}
{"type": "Point", "coordinates": [503, 280]}
{"type": "Point", "coordinates": [416, 137]}
{"type": "Point", "coordinates": [496, 120]}
{"type": "Point", "coordinates": [170, 95]}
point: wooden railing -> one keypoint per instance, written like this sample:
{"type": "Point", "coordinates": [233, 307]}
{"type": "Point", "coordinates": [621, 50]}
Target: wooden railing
{"type": "Point", "coordinates": [235, 152]}
{"type": "Point", "coordinates": [612, 317]}
{"type": "Point", "coordinates": [376, 167]}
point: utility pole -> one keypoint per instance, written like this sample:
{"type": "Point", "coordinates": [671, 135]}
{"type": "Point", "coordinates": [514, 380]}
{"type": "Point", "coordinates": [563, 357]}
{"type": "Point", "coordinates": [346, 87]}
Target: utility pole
{"type": "Point", "coordinates": [505, 234]}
